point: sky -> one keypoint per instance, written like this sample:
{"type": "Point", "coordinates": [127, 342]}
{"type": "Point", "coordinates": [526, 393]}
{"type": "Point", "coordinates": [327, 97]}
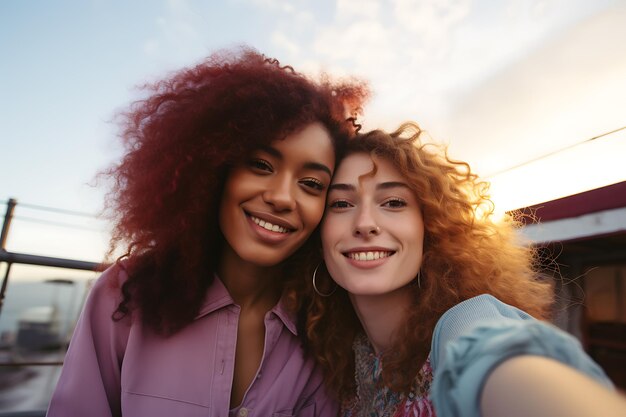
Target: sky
{"type": "Point", "coordinates": [500, 82]}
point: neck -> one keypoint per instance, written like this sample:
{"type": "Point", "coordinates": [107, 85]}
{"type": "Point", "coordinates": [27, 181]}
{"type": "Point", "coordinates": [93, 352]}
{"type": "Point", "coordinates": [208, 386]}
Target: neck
{"type": "Point", "coordinates": [381, 316]}
{"type": "Point", "coordinates": [250, 285]}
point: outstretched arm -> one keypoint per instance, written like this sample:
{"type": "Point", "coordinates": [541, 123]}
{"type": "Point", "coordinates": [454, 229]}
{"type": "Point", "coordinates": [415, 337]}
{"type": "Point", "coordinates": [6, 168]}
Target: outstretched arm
{"type": "Point", "coordinates": [482, 338]}
{"type": "Point", "coordinates": [537, 386]}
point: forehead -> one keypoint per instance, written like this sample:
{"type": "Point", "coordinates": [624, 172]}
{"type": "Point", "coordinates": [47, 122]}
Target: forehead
{"type": "Point", "coordinates": [358, 168]}
{"type": "Point", "coordinates": [312, 139]}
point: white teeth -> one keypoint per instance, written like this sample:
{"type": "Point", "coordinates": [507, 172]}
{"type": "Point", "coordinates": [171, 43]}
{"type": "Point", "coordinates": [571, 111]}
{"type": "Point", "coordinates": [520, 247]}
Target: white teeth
{"type": "Point", "coordinates": [368, 256]}
{"type": "Point", "coordinates": [269, 226]}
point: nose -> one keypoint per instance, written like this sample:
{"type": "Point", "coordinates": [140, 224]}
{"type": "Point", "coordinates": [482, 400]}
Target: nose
{"type": "Point", "coordinates": [365, 225]}
{"type": "Point", "coordinates": [280, 194]}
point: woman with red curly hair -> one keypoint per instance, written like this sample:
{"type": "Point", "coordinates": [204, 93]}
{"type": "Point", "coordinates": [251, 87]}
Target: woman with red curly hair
{"type": "Point", "coordinates": [429, 296]}
{"type": "Point", "coordinates": [224, 179]}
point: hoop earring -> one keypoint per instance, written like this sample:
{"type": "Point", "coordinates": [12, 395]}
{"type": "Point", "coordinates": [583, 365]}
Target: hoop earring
{"type": "Point", "coordinates": [321, 294]}
{"type": "Point", "coordinates": [418, 279]}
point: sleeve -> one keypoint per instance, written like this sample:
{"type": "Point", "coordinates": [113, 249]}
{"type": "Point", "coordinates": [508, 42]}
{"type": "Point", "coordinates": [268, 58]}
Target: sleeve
{"type": "Point", "coordinates": [475, 336]}
{"type": "Point", "coordinates": [89, 384]}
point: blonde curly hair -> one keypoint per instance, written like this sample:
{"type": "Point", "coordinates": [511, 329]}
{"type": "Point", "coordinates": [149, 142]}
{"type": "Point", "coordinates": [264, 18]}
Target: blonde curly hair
{"type": "Point", "coordinates": [466, 253]}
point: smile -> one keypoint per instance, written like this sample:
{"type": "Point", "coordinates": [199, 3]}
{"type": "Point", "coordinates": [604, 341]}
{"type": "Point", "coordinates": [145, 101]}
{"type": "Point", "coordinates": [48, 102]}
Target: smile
{"type": "Point", "coordinates": [269, 226]}
{"type": "Point", "coordinates": [368, 256]}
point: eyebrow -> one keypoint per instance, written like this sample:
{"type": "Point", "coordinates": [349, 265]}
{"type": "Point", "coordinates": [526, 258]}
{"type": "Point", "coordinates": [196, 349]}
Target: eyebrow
{"type": "Point", "coordinates": [318, 167]}
{"type": "Point", "coordinates": [382, 186]}
{"type": "Point", "coordinates": [308, 165]}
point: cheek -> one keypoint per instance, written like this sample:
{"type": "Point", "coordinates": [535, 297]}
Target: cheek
{"type": "Point", "coordinates": [326, 232]}
{"type": "Point", "coordinates": [312, 211]}
{"type": "Point", "coordinates": [416, 242]}
{"type": "Point", "coordinates": [234, 183]}
{"type": "Point", "coordinates": [228, 194]}
{"type": "Point", "coordinates": [332, 263]}
{"type": "Point", "coordinates": [415, 224]}
{"type": "Point", "coordinates": [327, 240]}
{"type": "Point", "coordinates": [330, 235]}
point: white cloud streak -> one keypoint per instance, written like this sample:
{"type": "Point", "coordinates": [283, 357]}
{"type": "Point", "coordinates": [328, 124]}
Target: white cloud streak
{"type": "Point", "coordinates": [475, 73]}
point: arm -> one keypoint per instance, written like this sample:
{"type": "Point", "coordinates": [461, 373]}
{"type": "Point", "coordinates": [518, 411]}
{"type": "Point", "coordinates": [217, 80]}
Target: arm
{"type": "Point", "coordinates": [537, 386]}
{"type": "Point", "coordinates": [474, 337]}
{"type": "Point", "coordinates": [89, 384]}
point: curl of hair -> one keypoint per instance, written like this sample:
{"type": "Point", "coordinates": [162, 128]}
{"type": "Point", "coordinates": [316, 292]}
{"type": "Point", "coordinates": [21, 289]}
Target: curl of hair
{"type": "Point", "coordinates": [466, 253]}
{"type": "Point", "coordinates": [179, 143]}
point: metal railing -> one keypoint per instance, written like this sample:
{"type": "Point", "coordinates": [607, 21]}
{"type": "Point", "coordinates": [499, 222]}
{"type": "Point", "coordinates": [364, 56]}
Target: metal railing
{"type": "Point", "coordinates": [11, 258]}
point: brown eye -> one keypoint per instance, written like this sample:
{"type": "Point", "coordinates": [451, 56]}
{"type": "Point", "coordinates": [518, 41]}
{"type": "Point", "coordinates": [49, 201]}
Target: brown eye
{"type": "Point", "coordinates": [260, 165]}
{"type": "Point", "coordinates": [394, 203]}
{"type": "Point", "coordinates": [339, 204]}
{"type": "Point", "coordinates": [313, 183]}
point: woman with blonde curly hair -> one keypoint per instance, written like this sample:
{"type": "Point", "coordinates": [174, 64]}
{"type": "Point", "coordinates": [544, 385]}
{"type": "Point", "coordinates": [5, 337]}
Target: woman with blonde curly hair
{"type": "Point", "coordinates": [430, 295]}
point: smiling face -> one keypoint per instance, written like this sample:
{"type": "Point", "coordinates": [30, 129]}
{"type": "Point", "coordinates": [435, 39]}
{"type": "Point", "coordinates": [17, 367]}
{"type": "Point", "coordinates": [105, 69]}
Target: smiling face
{"type": "Point", "coordinates": [274, 200]}
{"type": "Point", "coordinates": [373, 231]}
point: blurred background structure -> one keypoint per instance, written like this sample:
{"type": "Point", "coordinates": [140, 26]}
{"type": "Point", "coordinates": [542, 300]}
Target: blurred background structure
{"type": "Point", "coordinates": [583, 237]}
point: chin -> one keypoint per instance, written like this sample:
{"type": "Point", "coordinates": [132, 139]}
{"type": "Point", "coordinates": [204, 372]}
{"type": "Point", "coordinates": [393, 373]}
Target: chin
{"type": "Point", "coordinates": [265, 261]}
{"type": "Point", "coordinates": [268, 258]}
{"type": "Point", "coordinates": [364, 290]}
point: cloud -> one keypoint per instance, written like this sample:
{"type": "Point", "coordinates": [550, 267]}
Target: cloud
{"type": "Point", "coordinates": [400, 46]}
{"type": "Point", "coordinates": [357, 43]}
{"type": "Point", "coordinates": [430, 19]}
{"type": "Point", "coordinates": [284, 42]}
{"type": "Point", "coordinates": [280, 5]}
{"type": "Point", "coordinates": [403, 32]}
{"type": "Point", "coordinates": [296, 10]}
{"type": "Point", "coordinates": [568, 90]}
{"type": "Point", "coordinates": [350, 9]}
{"type": "Point", "coordinates": [177, 37]}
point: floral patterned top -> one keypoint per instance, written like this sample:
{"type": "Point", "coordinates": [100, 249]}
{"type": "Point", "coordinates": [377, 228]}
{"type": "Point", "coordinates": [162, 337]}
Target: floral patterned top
{"type": "Point", "coordinates": [373, 401]}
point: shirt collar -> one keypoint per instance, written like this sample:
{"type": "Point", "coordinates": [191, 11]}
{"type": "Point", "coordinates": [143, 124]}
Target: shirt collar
{"type": "Point", "coordinates": [287, 316]}
{"type": "Point", "coordinates": [218, 297]}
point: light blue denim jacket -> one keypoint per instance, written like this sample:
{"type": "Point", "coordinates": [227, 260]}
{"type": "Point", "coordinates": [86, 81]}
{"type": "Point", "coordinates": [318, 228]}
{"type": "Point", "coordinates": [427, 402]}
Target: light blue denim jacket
{"type": "Point", "coordinates": [473, 337]}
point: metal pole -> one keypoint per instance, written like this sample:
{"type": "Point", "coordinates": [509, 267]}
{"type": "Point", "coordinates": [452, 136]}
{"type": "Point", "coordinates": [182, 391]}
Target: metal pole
{"type": "Point", "coordinates": [6, 224]}
{"type": "Point", "coordinates": [27, 259]}
{"type": "Point", "coordinates": [5, 281]}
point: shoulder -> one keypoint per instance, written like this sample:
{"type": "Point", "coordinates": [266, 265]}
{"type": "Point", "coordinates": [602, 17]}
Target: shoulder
{"type": "Point", "coordinates": [113, 277]}
{"type": "Point", "coordinates": [105, 293]}
{"type": "Point", "coordinates": [465, 316]}
{"type": "Point", "coordinates": [484, 306]}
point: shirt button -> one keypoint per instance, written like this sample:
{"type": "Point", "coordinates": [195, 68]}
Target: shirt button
{"type": "Point", "coordinates": [243, 412]}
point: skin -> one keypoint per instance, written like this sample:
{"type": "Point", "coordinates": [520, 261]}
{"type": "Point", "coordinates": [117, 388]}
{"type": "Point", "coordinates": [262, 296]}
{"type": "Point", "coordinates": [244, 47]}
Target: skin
{"type": "Point", "coordinates": [282, 188]}
{"type": "Point", "coordinates": [377, 216]}
{"type": "Point", "coordinates": [538, 386]}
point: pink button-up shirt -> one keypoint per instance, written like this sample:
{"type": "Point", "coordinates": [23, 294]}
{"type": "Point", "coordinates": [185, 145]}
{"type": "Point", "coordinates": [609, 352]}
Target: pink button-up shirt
{"type": "Point", "coordinates": [124, 369]}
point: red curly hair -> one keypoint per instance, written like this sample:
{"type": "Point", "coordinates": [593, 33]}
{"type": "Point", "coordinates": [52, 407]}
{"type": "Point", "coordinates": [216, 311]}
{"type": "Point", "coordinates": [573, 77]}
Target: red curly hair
{"type": "Point", "coordinates": [180, 143]}
{"type": "Point", "coordinates": [465, 254]}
